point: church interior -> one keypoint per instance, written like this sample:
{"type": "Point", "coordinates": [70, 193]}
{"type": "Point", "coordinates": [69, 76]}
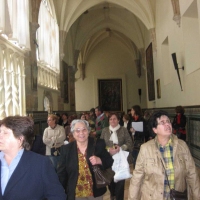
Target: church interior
{"type": "Point", "coordinates": [59, 56]}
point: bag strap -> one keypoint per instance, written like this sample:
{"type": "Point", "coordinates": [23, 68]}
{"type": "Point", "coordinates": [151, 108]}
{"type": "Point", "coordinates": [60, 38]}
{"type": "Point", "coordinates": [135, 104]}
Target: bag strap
{"type": "Point", "coordinates": [165, 173]}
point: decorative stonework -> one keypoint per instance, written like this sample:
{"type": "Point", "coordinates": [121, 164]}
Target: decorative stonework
{"type": "Point", "coordinates": [153, 38]}
{"type": "Point", "coordinates": [62, 37]}
{"type": "Point", "coordinates": [47, 77]}
{"type": "Point", "coordinates": [176, 10]}
{"type": "Point", "coordinates": [12, 80]}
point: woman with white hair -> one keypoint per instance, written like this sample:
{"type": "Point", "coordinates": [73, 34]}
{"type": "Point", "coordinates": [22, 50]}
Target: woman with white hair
{"type": "Point", "coordinates": [76, 160]}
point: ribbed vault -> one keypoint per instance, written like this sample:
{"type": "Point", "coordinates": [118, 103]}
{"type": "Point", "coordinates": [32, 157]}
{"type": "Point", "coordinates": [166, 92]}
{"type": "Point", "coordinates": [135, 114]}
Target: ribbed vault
{"type": "Point", "coordinates": [86, 23]}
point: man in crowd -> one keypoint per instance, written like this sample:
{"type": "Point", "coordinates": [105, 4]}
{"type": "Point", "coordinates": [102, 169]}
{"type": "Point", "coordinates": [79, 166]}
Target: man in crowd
{"type": "Point", "coordinates": [101, 121]}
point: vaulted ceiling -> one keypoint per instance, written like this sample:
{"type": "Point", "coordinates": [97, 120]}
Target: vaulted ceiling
{"type": "Point", "coordinates": [84, 23]}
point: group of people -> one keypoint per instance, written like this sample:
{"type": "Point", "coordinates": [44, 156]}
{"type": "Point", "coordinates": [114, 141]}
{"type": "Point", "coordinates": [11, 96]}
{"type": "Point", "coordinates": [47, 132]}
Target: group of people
{"type": "Point", "coordinates": [161, 159]}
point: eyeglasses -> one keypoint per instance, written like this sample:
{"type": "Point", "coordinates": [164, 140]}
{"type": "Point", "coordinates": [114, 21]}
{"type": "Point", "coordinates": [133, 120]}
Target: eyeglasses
{"type": "Point", "coordinates": [78, 130]}
{"type": "Point", "coordinates": [164, 122]}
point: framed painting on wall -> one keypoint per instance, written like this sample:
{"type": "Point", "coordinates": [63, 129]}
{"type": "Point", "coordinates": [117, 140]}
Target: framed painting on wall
{"type": "Point", "coordinates": [110, 94]}
{"type": "Point", "coordinates": [150, 73]}
{"type": "Point", "coordinates": [158, 88]}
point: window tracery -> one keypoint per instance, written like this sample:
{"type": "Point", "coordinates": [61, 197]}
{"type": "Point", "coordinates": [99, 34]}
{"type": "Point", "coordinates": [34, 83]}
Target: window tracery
{"type": "Point", "coordinates": [48, 47]}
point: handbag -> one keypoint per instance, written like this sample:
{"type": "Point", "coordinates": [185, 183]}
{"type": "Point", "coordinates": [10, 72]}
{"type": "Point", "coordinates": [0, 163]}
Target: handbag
{"type": "Point", "coordinates": [103, 177]}
{"type": "Point", "coordinates": [137, 144]}
{"type": "Point", "coordinates": [138, 141]}
{"type": "Point", "coordinates": [55, 151]}
{"type": "Point", "coordinates": [174, 194]}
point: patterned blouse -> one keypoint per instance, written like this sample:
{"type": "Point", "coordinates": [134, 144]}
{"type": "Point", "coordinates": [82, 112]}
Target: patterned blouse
{"type": "Point", "coordinates": [84, 183]}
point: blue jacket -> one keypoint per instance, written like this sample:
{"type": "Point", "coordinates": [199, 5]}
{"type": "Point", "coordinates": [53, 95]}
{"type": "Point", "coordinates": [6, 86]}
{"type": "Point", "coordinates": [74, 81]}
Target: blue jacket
{"type": "Point", "coordinates": [34, 178]}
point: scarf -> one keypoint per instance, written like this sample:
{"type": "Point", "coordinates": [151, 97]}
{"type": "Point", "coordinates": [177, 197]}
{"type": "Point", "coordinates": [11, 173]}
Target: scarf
{"type": "Point", "coordinates": [135, 118]}
{"type": "Point", "coordinates": [113, 136]}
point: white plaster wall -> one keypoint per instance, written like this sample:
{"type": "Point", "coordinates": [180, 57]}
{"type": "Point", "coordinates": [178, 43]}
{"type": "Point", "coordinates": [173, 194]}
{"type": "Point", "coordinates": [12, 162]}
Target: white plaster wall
{"type": "Point", "coordinates": [110, 59]}
{"type": "Point", "coordinates": [171, 94]}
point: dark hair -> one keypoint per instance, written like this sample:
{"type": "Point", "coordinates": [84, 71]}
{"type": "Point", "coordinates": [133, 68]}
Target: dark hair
{"type": "Point", "coordinates": [92, 110]}
{"type": "Point", "coordinates": [21, 126]}
{"type": "Point", "coordinates": [153, 123]}
{"type": "Point", "coordinates": [126, 116]}
{"type": "Point", "coordinates": [137, 109]}
{"type": "Point", "coordinates": [65, 114]}
{"type": "Point", "coordinates": [113, 113]}
{"type": "Point", "coordinates": [99, 109]}
{"type": "Point", "coordinates": [82, 115]}
{"type": "Point", "coordinates": [180, 109]}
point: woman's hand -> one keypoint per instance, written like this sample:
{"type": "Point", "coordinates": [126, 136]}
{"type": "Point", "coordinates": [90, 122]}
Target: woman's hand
{"type": "Point", "coordinates": [132, 131]}
{"type": "Point", "coordinates": [114, 150]}
{"type": "Point", "coordinates": [95, 160]}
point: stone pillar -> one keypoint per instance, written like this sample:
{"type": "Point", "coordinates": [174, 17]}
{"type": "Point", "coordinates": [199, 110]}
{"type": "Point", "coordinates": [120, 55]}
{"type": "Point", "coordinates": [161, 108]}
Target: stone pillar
{"type": "Point", "coordinates": [153, 37]}
{"type": "Point", "coordinates": [31, 71]}
{"type": "Point", "coordinates": [72, 88]}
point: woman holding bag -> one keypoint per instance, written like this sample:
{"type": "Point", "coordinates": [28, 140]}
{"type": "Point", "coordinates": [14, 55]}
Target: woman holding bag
{"type": "Point", "coordinates": [115, 137]}
{"type": "Point", "coordinates": [75, 169]}
{"type": "Point", "coordinates": [53, 137]}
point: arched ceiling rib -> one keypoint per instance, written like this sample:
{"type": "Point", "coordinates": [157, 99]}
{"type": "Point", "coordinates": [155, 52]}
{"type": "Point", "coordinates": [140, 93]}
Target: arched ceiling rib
{"type": "Point", "coordinates": [126, 24]}
{"type": "Point", "coordinates": [87, 34]}
{"type": "Point", "coordinates": [100, 36]}
{"type": "Point", "coordinates": [68, 11]}
{"type": "Point", "coordinates": [128, 20]}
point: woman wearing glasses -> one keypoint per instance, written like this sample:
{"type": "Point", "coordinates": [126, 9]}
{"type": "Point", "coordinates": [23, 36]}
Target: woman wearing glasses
{"type": "Point", "coordinates": [76, 160]}
{"type": "Point", "coordinates": [166, 154]}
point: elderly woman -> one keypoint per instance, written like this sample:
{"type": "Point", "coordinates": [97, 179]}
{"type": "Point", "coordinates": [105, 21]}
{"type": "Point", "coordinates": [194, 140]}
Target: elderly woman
{"type": "Point", "coordinates": [165, 153]}
{"type": "Point", "coordinates": [76, 160]}
{"type": "Point", "coordinates": [53, 137]}
{"type": "Point", "coordinates": [116, 136]}
{"type": "Point", "coordinates": [25, 174]}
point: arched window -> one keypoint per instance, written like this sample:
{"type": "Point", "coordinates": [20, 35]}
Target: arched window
{"type": "Point", "coordinates": [48, 46]}
{"type": "Point", "coordinates": [14, 22]}
{"type": "Point", "coordinates": [14, 40]}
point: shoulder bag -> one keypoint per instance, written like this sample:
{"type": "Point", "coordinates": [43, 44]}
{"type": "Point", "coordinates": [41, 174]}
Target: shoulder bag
{"type": "Point", "coordinates": [55, 151]}
{"type": "Point", "coordinates": [102, 177]}
{"type": "Point", "coordinates": [174, 194]}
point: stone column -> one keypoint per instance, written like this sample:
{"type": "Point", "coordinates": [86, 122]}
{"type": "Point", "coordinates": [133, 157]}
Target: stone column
{"type": "Point", "coordinates": [153, 37]}
{"type": "Point", "coordinates": [32, 71]}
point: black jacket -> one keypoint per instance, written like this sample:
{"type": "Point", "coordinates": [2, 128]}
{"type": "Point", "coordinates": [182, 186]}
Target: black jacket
{"type": "Point", "coordinates": [68, 166]}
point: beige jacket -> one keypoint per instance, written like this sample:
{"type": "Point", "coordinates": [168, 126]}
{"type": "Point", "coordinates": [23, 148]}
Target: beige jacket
{"type": "Point", "coordinates": [54, 136]}
{"type": "Point", "coordinates": [147, 182]}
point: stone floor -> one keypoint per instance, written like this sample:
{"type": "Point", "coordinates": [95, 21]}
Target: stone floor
{"type": "Point", "coordinates": [107, 195]}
